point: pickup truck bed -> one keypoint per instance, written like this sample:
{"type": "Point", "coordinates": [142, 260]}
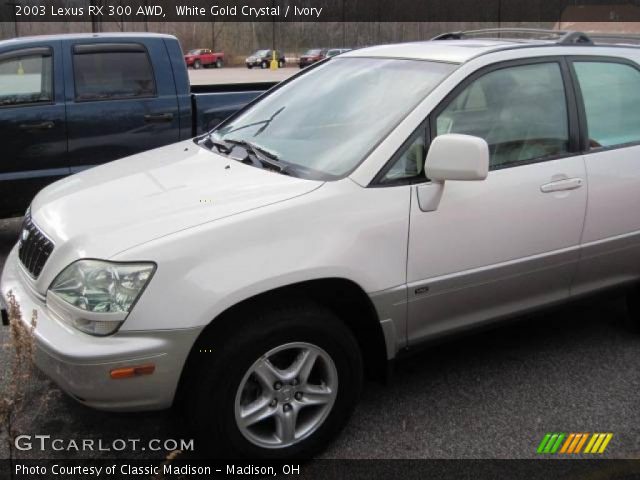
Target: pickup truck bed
{"type": "Point", "coordinates": [213, 103]}
{"type": "Point", "coordinates": [70, 102]}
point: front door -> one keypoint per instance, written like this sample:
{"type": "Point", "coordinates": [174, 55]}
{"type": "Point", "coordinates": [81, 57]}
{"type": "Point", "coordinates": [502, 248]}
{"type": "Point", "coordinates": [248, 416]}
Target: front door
{"type": "Point", "coordinates": [500, 246]}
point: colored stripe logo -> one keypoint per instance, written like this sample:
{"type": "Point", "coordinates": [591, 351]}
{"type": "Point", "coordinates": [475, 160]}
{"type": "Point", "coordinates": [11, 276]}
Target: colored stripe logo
{"type": "Point", "coordinates": [572, 443]}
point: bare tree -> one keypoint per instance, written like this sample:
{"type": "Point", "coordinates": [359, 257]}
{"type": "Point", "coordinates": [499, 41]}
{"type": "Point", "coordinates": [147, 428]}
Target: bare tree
{"type": "Point", "coordinates": [215, 33]}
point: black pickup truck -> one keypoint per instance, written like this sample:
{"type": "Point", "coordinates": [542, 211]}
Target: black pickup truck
{"type": "Point", "coordinates": [70, 102]}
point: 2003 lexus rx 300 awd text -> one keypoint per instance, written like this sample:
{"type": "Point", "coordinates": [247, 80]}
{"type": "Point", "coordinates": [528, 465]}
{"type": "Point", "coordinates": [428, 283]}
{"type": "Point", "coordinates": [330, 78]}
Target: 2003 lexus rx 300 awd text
{"type": "Point", "coordinates": [257, 272]}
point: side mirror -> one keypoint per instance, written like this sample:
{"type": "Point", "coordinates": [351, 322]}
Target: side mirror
{"type": "Point", "coordinates": [457, 157]}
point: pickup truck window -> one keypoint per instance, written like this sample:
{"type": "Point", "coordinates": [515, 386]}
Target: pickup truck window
{"type": "Point", "coordinates": [611, 94]}
{"type": "Point", "coordinates": [326, 121]}
{"type": "Point", "coordinates": [112, 73]}
{"type": "Point", "coordinates": [26, 78]}
{"type": "Point", "coordinates": [520, 111]}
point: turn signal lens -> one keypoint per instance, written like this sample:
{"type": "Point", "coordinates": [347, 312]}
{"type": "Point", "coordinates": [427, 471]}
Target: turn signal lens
{"type": "Point", "coordinates": [129, 372]}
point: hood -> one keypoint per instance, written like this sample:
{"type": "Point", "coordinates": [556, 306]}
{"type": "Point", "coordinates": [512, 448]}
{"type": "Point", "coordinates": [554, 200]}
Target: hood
{"type": "Point", "coordinates": [105, 210]}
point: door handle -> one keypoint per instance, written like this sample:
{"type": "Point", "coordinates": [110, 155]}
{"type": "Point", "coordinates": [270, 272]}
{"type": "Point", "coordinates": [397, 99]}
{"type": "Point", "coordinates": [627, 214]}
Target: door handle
{"type": "Point", "coordinates": [37, 126]}
{"type": "Point", "coordinates": [562, 185]}
{"type": "Point", "coordinates": [158, 118]}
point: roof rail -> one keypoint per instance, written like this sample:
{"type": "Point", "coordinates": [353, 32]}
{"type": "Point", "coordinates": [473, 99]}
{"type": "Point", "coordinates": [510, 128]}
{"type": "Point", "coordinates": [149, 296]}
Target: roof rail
{"type": "Point", "coordinates": [561, 37]}
{"type": "Point", "coordinates": [615, 38]}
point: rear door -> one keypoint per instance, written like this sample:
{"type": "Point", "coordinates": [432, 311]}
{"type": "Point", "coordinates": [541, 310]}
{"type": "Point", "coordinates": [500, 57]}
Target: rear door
{"type": "Point", "coordinates": [610, 92]}
{"type": "Point", "coordinates": [32, 124]}
{"type": "Point", "coordinates": [121, 100]}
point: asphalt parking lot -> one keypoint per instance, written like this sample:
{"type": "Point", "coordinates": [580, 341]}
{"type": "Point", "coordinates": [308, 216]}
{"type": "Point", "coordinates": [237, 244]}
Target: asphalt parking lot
{"type": "Point", "coordinates": [212, 76]}
{"type": "Point", "coordinates": [489, 395]}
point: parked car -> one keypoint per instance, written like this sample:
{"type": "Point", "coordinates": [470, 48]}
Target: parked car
{"type": "Point", "coordinates": [204, 57]}
{"type": "Point", "coordinates": [312, 56]}
{"type": "Point", "coordinates": [332, 52]}
{"type": "Point", "coordinates": [256, 273]}
{"type": "Point", "coordinates": [262, 59]}
{"type": "Point", "coordinates": [69, 102]}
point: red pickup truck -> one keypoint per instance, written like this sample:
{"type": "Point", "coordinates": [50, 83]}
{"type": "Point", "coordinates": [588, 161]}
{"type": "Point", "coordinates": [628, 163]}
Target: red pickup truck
{"type": "Point", "coordinates": [204, 57]}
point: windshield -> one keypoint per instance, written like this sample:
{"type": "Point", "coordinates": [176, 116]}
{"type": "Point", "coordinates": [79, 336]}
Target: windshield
{"type": "Point", "coordinates": [194, 52]}
{"type": "Point", "coordinates": [313, 52]}
{"type": "Point", "coordinates": [326, 121]}
{"type": "Point", "coordinates": [261, 53]}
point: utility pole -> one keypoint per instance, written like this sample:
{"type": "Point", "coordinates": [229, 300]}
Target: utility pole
{"type": "Point", "coordinates": [273, 65]}
{"type": "Point", "coordinates": [344, 27]}
{"type": "Point", "coordinates": [94, 22]}
{"type": "Point", "coordinates": [273, 27]}
{"type": "Point", "coordinates": [13, 5]}
{"type": "Point", "coordinates": [146, 17]}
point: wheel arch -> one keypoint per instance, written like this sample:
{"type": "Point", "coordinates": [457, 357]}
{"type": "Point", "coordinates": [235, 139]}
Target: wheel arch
{"type": "Point", "coordinates": [345, 298]}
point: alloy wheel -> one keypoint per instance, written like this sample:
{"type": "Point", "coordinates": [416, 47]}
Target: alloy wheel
{"type": "Point", "coordinates": [286, 395]}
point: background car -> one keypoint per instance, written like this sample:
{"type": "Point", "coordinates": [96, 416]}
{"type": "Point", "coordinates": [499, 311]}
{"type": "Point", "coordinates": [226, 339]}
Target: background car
{"type": "Point", "coordinates": [332, 52]}
{"type": "Point", "coordinates": [312, 56]}
{"type": "Point", "coordinates": [204, 57]}
{"type": "Point", "coordinates": [262, 59]}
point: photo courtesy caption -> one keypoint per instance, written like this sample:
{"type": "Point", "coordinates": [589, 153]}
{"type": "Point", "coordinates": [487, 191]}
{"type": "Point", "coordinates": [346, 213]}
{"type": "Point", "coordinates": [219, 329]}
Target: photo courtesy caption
{"type": "Point", "coordinates": [167, 469]}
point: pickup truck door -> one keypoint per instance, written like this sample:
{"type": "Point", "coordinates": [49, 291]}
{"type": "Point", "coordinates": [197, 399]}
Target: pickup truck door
{"type": "Point", "coordinates": [32, 122]}
{"type": "Point", "coordinates": [121, 100]}
{"type": "Point", "coordinates": [208, 57]}
{"type": "Point", "coordinates": [496, 247]}
{"type": "Point", "coordinates": [610, 93]}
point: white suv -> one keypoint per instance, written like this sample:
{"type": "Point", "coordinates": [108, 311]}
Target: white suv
{"type": "Point", "coordinates": [377, 200]}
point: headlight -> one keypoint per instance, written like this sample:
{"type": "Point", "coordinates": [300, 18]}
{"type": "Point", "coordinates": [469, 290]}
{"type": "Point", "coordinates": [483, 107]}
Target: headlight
{"type": "Point", "coordinates": [96, 296]}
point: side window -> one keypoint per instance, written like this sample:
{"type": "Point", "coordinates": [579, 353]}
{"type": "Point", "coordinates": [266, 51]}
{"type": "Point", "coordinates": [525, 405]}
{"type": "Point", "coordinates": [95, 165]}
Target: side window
{"type": "Point", "coordinates": [112, 73]}
{"type": "Point", "coordinates": [409, 163]}
{"type": "Point", "coordinates": [611, 94]}
{"type": "Point", "coordinates": [520, 111]}
{"type": "Point", "coordinates": [26, 79]}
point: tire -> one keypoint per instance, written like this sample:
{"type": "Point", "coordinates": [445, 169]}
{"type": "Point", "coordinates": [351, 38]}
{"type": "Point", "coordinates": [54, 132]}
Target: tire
{"type": "Point", "coordinates": [218, 63]}
{"type": "Point", "coordinates": [263, 65]}
{"type": "Point", "coordinates": [249, 67]}
{"type": "Point", "coordinates": [633, 305]}
{"type": "Point", "coordinates": [222, 384]}
{"type": "Point", "coordinates": [197, 65]}
{"type": "Point", "coordinates": [281, 64]}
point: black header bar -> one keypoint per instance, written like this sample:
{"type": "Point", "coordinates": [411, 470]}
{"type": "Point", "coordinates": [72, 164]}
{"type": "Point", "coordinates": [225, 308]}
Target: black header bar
{"type": "Point", "coordinates": [319, 11]}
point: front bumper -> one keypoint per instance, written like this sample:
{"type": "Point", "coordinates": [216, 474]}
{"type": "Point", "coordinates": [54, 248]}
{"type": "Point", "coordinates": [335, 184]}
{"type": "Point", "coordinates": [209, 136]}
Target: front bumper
{"type": "Point", "coordinates": [81, 364]}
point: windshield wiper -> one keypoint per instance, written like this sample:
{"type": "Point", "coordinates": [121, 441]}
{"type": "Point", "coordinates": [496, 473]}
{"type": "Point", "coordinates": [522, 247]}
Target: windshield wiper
{"type": "Point", "coordinates": [263, 155]}
{"type": "Point", "coordinates": [258, 156]}
{"type": "Point", "coordinates": [264, 123]}
{"type": "Point", "coordinates": [209, 142]}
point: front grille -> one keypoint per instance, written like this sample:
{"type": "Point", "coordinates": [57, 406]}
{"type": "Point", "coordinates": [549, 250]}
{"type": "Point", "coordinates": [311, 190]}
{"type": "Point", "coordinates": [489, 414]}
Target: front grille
{"type": "Point", "coordinates": [34, 248]}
